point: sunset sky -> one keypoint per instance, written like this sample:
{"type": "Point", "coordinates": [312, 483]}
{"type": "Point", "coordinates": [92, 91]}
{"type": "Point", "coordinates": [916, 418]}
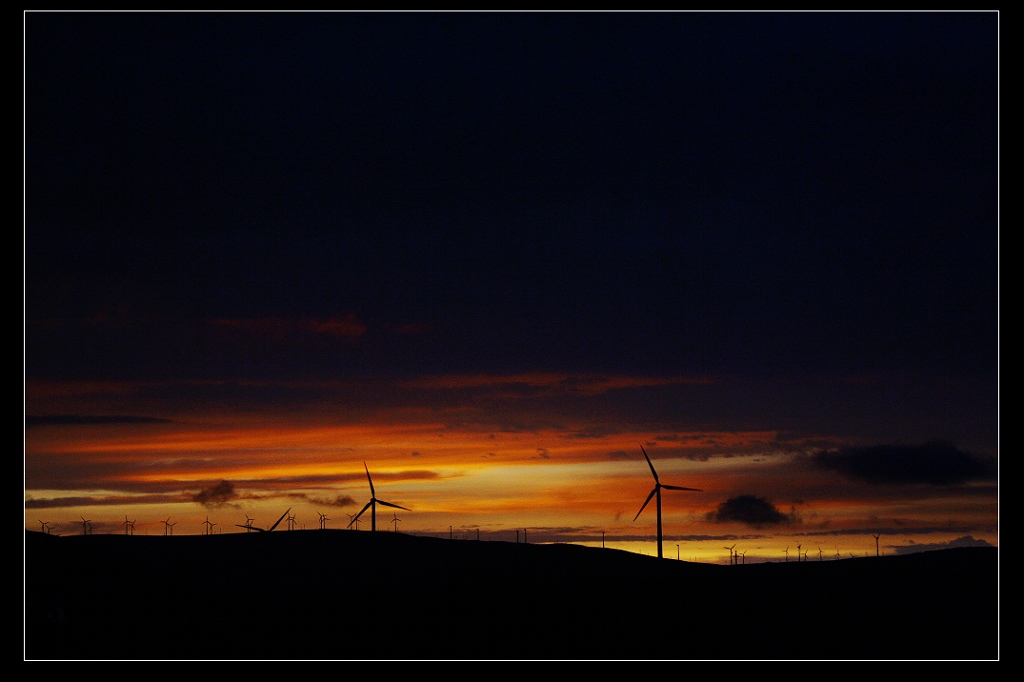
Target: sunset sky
{"type": "Point", "coordinates": [493, 257]}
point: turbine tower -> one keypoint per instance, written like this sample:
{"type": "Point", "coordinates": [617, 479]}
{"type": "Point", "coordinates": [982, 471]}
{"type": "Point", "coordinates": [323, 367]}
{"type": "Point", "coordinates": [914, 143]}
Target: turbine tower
{"type": "Point", "coordinates": [372, 504]}
{"type": "Point", "coordinates": [656, 492]}
{"type": "Point", "coordinates": [876, 543]}
{"type": "Point", "coordinates": [396, 520]}
{"type": "Point", "coordinates": [86, 526]}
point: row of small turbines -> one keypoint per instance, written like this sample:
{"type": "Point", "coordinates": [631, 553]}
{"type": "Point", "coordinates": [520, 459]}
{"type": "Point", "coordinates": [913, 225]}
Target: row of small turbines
{"type": "Point", "coordinates": [208, 526]}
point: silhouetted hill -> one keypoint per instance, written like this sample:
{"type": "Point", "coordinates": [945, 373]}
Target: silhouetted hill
{"type": "Point", "coordinates": [339, 594]}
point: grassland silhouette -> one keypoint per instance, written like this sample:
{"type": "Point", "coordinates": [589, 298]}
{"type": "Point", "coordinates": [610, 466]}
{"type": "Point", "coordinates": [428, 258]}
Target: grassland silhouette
{"type": "Point", "coordinates": [345, 594]}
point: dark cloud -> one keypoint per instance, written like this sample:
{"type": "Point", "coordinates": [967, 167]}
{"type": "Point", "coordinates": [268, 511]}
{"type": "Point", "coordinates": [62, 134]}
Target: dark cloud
{"type": "Point", "coordinates": [74, 419]}
{"type": "Point", "coordinates": [935, 463]}
{"type": "Point", "coordinates": [339, 501]}
{"type": "Point", "coordinates": [751, 510]}
{"type": "Point", "coordinates": [217, 496]}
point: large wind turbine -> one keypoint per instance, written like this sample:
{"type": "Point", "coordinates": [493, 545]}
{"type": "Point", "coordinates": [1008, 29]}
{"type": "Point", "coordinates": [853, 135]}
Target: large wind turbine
{"type": "Point", "coordinates": [658, 485]}
{"type": "Point", "coordinates": [372, 504]}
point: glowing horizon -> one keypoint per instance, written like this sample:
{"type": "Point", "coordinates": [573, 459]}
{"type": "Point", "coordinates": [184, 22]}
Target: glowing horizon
{"type": "Point", "coordinates": [565, 480]}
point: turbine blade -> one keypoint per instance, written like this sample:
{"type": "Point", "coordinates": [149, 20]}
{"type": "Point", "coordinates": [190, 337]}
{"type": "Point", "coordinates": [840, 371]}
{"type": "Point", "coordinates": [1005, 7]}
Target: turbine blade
{"type": "Point", "coordinates": [388, 504]}
{"type": "Point", "coordinates": [676, 487]}
{"type": "Point", "coordinates": [372, 493]}
{"type": "Point", "coordinates": [281, 519]}
{"type": "Point", "coordinates": [649, 463]}
{"type": "Point", "coordinates": [356, 517]}
{"type": "Point", "coordinates": [645, 503]}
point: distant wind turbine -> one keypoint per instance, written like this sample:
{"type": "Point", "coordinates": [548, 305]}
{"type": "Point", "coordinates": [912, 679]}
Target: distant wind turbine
{"type": "Point", "coordinates": [86, 526]}
{"type": "Point", "coordinates": [248, 524]}
{"type": "Point", "coordinates": [656, 492]}
{"type": "Point", "coordinates": [44, 526]}
{"type": "Point", "coordinates": [372, 504]}
{"type": "Point", "coordinates": [396, 520]}
{"type": "Point", "coordinates": [876, 543]}
{"type": "Point", "coordinates": [787, 555]}
{"type": "Point", "coordinates": [291, 522]}
{"type": "Point", "coordinates": [266, 530]}
{"type": "Point", "coordinates": [129, 526]}
{"type": "Point", "coordinates": [730, 553]}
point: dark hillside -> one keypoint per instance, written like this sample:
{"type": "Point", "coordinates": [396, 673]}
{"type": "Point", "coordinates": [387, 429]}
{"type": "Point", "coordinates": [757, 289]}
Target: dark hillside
{"type": "Point", "coordinates": [357, 595]}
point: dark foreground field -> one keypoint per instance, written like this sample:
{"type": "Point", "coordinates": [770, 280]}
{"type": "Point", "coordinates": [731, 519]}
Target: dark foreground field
{"type": "Point", "coordinates": [334, 594]}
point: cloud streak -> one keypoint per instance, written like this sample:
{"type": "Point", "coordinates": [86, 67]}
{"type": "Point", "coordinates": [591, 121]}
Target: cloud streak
{"type": "Point", "coordinates": [79, 419]}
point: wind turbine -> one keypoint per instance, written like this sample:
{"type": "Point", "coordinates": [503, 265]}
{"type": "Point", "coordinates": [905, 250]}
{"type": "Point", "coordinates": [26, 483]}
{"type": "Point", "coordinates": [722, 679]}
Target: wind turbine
{"type": "Point", "coordinates": [248, 524]}
{"type": "Point", "coordinates": [876, 543]}
{"type": "Point", "coordinates": [372, 504]}
{"type": "Point", "coordinates": [207, 527]}
{"type": "Point", "coordinates": [291, 522]}
{"type": "Point", "coordinates": [354, 519]}
{"type": "Point", "coordinates": [730, 553]}
{"type": "Point", "coordinates": [86, 526]}
{"type": "Point", "coordinates": [44, 526]}
{"type": "Point", "coordinates": [396, 520]}
{"type": "Point", "coordinates": [267, 530]}
{"type": "Point", "coordinates": [787, 555]}
{"type": "Point", "coordinates": [798, 553]}
{"type": "Point", "coordinates": [656, 492]}
{"type": "Point", "coordinates": [129, 526]}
